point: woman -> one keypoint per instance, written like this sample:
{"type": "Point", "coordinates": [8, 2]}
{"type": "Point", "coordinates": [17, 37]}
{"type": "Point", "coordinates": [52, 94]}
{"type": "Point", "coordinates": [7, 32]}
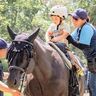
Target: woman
{"type": "Point", "coordinates": [84, 38]}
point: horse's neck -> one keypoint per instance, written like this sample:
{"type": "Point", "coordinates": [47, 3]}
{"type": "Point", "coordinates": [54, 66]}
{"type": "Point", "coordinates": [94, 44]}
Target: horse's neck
{"type": "Point", "coordinates": [43, 67]}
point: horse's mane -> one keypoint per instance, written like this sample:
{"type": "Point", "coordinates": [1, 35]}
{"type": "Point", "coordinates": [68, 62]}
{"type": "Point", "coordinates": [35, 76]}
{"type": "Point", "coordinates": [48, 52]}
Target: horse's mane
{"type": "Point", "coordinates": [41, 41]}
{"type": "Point", "coordinates": [43, 44]}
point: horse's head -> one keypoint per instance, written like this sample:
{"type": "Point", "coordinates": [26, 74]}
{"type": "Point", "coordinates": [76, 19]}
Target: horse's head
{"type": "Point", "coordinates": [19, 56]}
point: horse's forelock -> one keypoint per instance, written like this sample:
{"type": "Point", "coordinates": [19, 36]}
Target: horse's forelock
{"type": "Point", "coordinates": [22, 36]}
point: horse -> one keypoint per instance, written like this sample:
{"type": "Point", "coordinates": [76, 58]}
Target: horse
{"type": "Point", "coordinates": [29, 54]}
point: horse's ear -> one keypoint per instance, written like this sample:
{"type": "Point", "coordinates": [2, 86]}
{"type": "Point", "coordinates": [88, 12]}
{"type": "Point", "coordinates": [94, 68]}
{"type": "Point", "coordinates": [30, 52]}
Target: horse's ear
{"type": "Point", "coordinates": [11, 33]}
{"type": "Point", "coordinates": [33, 36]}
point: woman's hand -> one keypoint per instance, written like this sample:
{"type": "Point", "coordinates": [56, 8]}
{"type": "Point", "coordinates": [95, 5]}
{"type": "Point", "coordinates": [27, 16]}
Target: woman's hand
{"type": "Point", "coordinates": [65, 34]}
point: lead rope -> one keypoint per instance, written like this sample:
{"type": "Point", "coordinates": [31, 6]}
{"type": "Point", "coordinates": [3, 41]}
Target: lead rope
{"type": "Point", "coordinates": [24, 77]}
{"type": "Point", "coordinates": [22, 81]}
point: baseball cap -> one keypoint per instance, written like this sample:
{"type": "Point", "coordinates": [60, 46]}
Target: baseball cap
{"type": "Point", "coordinates": [3, 44]}
{"type": "Point", "coordinates": [80, 13]}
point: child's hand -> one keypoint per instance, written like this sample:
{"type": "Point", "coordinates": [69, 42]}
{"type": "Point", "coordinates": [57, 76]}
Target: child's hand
{"type": "Point", "coordinates": [50, 33]}
{"type": "Point", "coordinates": [54, 39]}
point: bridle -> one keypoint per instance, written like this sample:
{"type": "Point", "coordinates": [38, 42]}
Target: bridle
{"type": "Point", "coordinates": [16, 48]}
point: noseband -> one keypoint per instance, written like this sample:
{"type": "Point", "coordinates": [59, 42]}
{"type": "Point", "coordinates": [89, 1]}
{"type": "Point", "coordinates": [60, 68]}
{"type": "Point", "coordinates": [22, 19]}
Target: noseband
{"type": "Point", "coordinates": [17, 68]}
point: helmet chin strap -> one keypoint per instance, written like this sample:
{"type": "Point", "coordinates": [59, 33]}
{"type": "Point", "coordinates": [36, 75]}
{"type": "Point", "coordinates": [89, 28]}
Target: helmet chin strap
{"type": "Point", "coordinates": [59, 23]}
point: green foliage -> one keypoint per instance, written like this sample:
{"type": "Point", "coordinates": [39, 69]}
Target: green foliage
{"type": "Point", "coordinates": [5, 65]}
{"type": "Point", "coordinates": [18, 14]}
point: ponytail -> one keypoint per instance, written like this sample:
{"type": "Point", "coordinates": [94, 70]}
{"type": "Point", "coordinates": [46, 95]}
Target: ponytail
{"type": "Point", "coordinates": [88, 19]}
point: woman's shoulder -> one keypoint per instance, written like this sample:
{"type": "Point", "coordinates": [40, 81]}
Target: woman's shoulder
{"type": "Point", "coordinates": [88, 26]}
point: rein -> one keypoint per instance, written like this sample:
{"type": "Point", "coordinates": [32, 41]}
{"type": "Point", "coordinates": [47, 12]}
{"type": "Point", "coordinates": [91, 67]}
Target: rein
{"type": "Point", "coordinates": [16, 48]}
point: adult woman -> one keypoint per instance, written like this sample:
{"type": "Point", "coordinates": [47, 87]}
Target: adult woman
{"type": "Point", "coordinates": [84, 38]}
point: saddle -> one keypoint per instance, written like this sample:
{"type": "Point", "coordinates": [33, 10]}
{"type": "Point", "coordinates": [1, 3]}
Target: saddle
{"type": "Point", "coordinates": [63, 56]}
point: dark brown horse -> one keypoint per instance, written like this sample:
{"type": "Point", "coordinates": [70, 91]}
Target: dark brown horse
{"type": "Point", "coordinates": [28, 54]}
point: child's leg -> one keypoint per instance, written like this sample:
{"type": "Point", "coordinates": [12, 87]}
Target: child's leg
{"type": "Point", "coordinates": [73, 60]}
{"type": "Point", "coordinates": [62, 47]}
{"type": "Point", "coordinates": [76, 63]}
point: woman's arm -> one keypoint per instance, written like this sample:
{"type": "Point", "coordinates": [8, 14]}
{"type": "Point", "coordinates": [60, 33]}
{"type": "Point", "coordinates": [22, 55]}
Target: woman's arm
{"type": "Point", "coordinates": [77, 44]}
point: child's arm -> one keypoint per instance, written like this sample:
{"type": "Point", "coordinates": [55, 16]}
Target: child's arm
{"type": "Point", "coordinates": [48, 35]}
{"type": "Point", "coordinates": [63, 35]}
{"type": "Point", "coordinates": [58, 38]}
